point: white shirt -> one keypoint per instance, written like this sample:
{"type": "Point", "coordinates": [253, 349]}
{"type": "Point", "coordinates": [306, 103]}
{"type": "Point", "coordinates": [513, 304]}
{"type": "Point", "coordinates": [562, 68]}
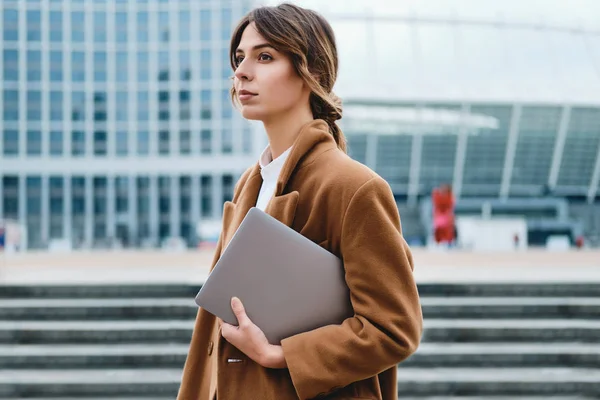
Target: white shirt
{"type": "Point", "coordinates": [269, 170]}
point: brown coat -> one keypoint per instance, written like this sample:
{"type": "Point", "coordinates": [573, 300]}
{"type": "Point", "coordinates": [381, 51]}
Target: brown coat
{"type": "Point", "coordinates": [349, 210]}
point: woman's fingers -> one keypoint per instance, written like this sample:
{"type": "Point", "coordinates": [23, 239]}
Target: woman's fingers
{"type": "Point", "coordinates": [240, 312]}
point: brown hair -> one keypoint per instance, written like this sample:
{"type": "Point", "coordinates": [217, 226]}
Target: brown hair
{"type": "Point", "coordinates": [308, 39]}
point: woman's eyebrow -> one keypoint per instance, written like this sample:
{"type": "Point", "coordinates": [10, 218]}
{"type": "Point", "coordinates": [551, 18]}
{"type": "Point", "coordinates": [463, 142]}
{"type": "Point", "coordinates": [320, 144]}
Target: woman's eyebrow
{"type": "Point", "coordinates": [254, 48]}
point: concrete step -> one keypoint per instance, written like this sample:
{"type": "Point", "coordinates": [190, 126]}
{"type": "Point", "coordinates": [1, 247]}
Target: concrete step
{"type": "Point", "coordinates": [173, 355]}
{"type": "Point", "coordinates": [505, 355]}
{"type": "Point", "coordinates": [498, 382]}
{"type": "Point", "coordinates": [95, 332]}
{"type": "Point", "coordinates": [90, 383]}
{"type": "Point", "coordinates": [157, 355]}
{"type": "Point", "coordinates": [183, 308]}
{"type": "Point", "coordinates": [511, 330]}
{"type": "Point", "coordinates": [128, 291]}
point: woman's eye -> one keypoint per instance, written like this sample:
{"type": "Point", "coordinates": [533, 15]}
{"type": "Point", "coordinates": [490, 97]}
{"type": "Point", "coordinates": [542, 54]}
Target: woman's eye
{"type": "Point", "coordinates": [265, 57]}
{"type": "Point", "coordinates": [238, 60]}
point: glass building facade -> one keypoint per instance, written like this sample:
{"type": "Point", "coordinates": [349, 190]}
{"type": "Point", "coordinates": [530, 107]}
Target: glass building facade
{"type": "Point", "coordinates": [116, 119]}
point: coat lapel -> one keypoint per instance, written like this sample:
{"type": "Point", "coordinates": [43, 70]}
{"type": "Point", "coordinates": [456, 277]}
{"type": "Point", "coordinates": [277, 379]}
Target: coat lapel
{"type": "Point", "coordinates": [282, 206]}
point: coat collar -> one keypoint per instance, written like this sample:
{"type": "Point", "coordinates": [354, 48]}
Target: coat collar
{"type": "Point", "coordinates": [312, 140]}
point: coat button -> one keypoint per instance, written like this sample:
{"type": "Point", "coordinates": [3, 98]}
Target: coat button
{"type": "Point", "coordinates": [210, 347]}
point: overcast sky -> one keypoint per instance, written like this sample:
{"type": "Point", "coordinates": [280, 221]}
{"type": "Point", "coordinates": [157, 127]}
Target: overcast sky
{"type": "Point", "coordinates": [397, 59]}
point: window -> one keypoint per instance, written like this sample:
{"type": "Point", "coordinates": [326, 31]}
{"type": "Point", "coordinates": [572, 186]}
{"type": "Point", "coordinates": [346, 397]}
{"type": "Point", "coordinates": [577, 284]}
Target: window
{"type": "Point", "coordinates": [226, 23]}
{"type": "Point", "coordinates": [163, 27]}
{"type": "Point", "coordinates": [142, 67]}
{"type": "Point", "coordinates": [100, 27]}
{"type": "Point", "coordinates": [142, 106]}
{"type": "Point", "coordinates": [185, 67]}
{"type": "Point", "coordinates": [77, 143]}
{"type": "Point", "coordinates": [163, 143]}
{"type": "Point", "coordinates": [11, 142]}
{"type": "Point", "coordinates": [34, 105]}
{"type": "Point", "coordinates": [227, 107]}
{"type": "Point", "coordinates": [11, 65]}
{"type": "Point", "coordinates": [184, 26]}
{"type": "Point", "coordinates": [227, 141]}
{"type": "Point", "coordinates": [205, 104]}
{"type": "Point", "coordinates": [205, 25]}
{"type": "Point", "coordinates": [34, 26]}
{"type": "Point", "coordinates": [56, 24]}
{"type": "Point", "coordinates": [205, 141]}
{"type": "Point", "coordinates": [78, 66]}
{"type": "Point", "coordinates": [163, 66]}
{"type": "Point", "coordinates": [11, 25]}
{"type": "Point", "coordinates": [206, 200]}
{"type": "Point", "coordinates": [56, 106]}
{"type": "Point", "coordinates": [122, 143]}
{"type": "Point", "coordinates": [56, 60]}
{"type": "Point", "coordinates": [143, 143]}
{"type": "Point", "coordinates": [100, 145]}
{"type": "Point", "coordinates": [56, 143]}
{"type": "Point", "coordinates": [121, 25]}
{"type": "Point", "coordinates": [185, 142]}
{"type": "Point", "coordinates": [34, 66]}
{"type": "Point", "coordinates": [78, 104]}
{"type": "Point", "coordinates": [11, 105]}
{"type": "Point", "coordinates": [142, 27]}
{"type": "Point", "coordinates": [205, 64]}
{"type": "Point", "coordinates": [122, 67]}
{"type": "Point", "coordinates": [77, 27]}
{"type": "Point", "coordinates": [99, 106]}
{"type": "Point", "coordinates": [100, 66]}
{"type": "Point", "coordinates": [34, 143]}
{"type": "Point", "coordinates": [122, 106]}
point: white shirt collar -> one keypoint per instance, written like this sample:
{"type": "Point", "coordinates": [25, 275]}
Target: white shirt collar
{"type": "Point", "coordinates": [269, 168]}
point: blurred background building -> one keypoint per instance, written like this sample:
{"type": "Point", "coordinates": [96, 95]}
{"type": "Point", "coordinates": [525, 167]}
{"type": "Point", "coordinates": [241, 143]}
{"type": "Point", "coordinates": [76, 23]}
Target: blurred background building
{"type": "Point", "coordinates": [117, 125]}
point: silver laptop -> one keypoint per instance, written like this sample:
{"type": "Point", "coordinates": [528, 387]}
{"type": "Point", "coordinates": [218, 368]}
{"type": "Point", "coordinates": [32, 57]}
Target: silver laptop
{"type": "Point", "coordinates": [287, 283]}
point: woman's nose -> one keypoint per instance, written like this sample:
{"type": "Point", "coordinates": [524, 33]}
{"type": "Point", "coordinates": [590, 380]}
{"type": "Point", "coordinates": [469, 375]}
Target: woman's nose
{"type": "Point", "coordinates": [242, 72]}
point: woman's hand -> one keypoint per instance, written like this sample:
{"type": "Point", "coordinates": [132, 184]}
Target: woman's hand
{"type": "Point", "coordinates": [251, 340]}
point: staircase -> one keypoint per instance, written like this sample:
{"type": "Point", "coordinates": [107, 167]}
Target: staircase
{"type": "Point", "coordinates": [481, 341]}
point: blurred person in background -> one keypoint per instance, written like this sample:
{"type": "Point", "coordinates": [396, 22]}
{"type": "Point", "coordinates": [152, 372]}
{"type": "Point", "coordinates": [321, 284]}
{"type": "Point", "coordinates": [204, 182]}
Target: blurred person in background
{"type": "Point", "coordinates": [444, 228]}
{"type": "Point", "coordinates": [285, 65]}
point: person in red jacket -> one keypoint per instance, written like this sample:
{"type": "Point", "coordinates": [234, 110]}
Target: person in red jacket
{"type": "Point", "coordinates": [443, 215]}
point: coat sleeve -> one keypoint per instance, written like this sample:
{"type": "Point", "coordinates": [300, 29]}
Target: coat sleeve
{"type": "Point", "coordinates": [387, 324]}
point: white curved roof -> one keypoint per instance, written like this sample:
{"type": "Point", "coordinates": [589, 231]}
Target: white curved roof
{"type": "Point", "coordinates": [542, 51]}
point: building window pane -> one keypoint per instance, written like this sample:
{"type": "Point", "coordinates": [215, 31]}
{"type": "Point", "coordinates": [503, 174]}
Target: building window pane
{"type": "Point", "coordinates": [100, 27]}
{"type": "Point", "coordinates": [34, 143]}
{"type": "Point", "coordinates": [142, 27]}
{"type": "Point", "coordinates": [226, 107]}
{"type": "Point", "coordinates": [142, 67]}
{"type": "Point", "coordinates": [122, 143]}
{"type": "Point", "coordinates": [10, 142]}
{"type": "Point", "coordinates": [100, 145]}
{"type": "Point", "coordinates": [56, 64]}
{"type": "Point", "coordinates": [247, 140]}
{"type": "Point", "coordinates": [56, 25]}
{"type": "Point", "coordinates": [100, 66]}
{"type": "Point", "coordinates": [34, 66]}
{"type": "Point", "coordinates": [143, 113]}
{"type": "Point", "coordinates": [121, 25]}
{"type": "Point", "coordinates": [78, 27]}
{"type": "Point", "coordinates": [227, 141]}
{"type": "Point", "coordinates": [34, 105]}
{"type": "Point", "coordinates": [11, 105]}
{"type": "Point", "coordinates": [206, 201]}
{"type": "Point", "coordinates": [78, 143]}
{"type": "Point", "coordinates": [11, 65]}
{"type": "Point", "coordinates": [184, 26]}
{"type": "Point", "coordinates": [99, 106]}
{"type": "Point", "coordinates": [205, 26]}
{"type": "Point", "coordinates": [122, 106]}
{"type": "Point", "coordinates": [122, 67]}
{"type": "Point", "coordinates": [163, 66]}
{"type": "Point", "coordinates": [163, 143]}
{"type": "Point", "coordinates": [56, 106]}
{"type": "Point", "coordinates": [185, 67]}
{"type": "Point", "coordinates": [164, 33]}
{"type": "Point", "coordinates": [185, 142]}
{"type": "Point", "coordinates": [205, 104]}
{"type": "Point", "coordinates": [34, 26]}
{"type": "Point", "coordinates": [205, 141]}
{"type": "Point", "coordinates": [143, 143]}
{"type": "Point", "coordinates": [205, 64]}
{"type": "Point", "coordinates": [11, 25]}
{"type": "Point", "coordinates": [78, 66]}
{"type": "Point", "coordinates": [78, 106]}
{"type": "Point", "coordinates": [56, 143]}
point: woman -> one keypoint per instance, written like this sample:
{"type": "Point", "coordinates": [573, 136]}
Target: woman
{"type": "Point", "coordinates": [285, 64]}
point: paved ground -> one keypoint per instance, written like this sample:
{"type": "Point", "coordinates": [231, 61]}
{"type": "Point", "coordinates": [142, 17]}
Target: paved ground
{"type": "Point", "coordinates": [192, 267]}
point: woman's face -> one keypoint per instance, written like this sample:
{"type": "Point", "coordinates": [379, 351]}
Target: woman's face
{"type": "Point", "coordinates": [265, 81]}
